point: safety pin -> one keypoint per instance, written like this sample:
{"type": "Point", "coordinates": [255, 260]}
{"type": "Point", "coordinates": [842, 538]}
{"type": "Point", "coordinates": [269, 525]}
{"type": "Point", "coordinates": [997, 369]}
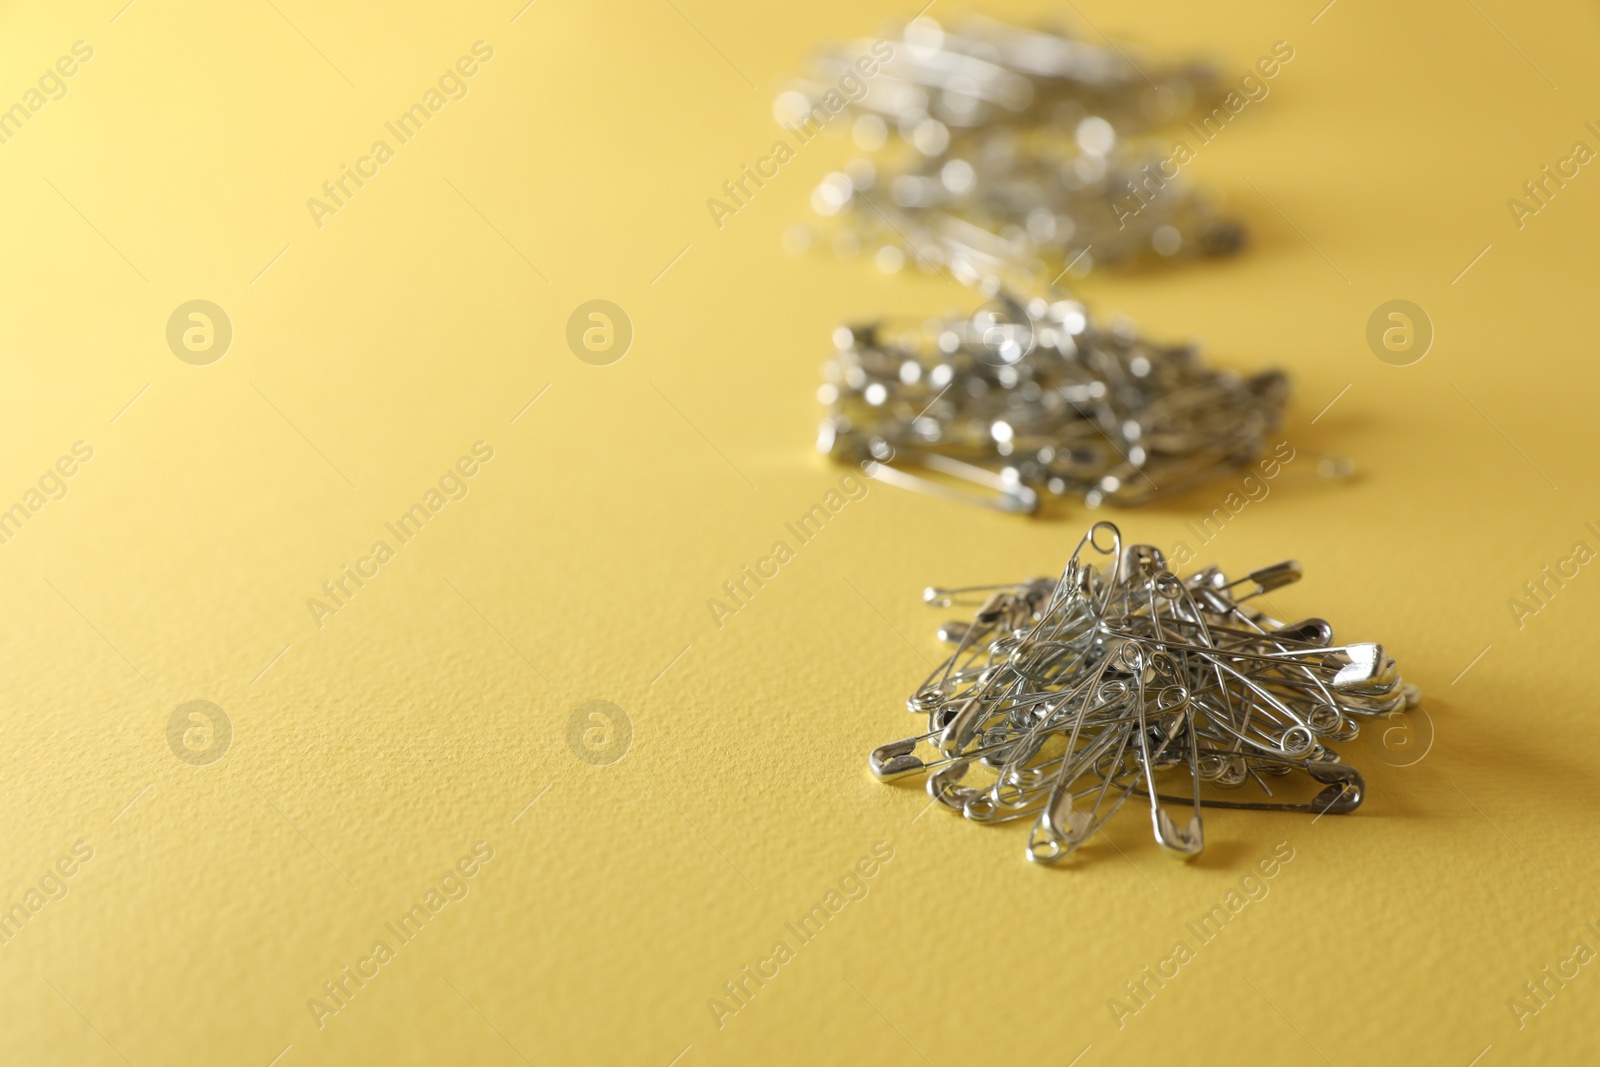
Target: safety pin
{"type": "Point", "coordinates": [1007, 496]}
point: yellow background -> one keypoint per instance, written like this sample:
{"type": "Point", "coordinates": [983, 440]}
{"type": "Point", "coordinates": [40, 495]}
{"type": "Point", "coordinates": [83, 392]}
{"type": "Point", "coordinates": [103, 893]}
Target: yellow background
{"type": "Point", "coordinates": [427, 714]}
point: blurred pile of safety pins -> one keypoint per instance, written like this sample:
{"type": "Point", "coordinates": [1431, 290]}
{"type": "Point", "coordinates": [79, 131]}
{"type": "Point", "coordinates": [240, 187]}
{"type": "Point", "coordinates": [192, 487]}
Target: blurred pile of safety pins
{"type": "Point", "coordinates": [997, 150]}
{"type": "Point", "coordinates": [1121, 679]}
{"type": "Point", "coordinates": [1000, 157]}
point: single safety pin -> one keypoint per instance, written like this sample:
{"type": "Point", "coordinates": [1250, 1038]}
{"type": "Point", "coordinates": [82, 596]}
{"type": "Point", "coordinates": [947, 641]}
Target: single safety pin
{"type": "Point", "coordinates": [1007, 495]}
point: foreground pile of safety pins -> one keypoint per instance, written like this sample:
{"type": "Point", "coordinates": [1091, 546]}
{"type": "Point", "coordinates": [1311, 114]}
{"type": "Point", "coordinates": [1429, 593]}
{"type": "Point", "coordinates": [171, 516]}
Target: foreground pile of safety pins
{"type": "Point", "coordinates": [1120, 679]}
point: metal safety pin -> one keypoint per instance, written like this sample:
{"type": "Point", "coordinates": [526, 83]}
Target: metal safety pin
{"type": "Point", "coordinates": [1006, 494]}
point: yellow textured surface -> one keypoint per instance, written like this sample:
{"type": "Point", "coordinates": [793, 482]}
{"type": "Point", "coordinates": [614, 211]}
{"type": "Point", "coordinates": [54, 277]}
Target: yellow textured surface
{"type": "Point", "coordinates": [371, 753]}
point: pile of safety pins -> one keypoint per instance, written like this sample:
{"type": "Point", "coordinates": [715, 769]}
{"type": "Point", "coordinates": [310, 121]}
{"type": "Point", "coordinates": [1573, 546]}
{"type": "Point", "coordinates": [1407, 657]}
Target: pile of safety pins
{"type": "Point", "coordinates": [994, 149]}
{"type": "Point", "coordinates": [1006, 158]}
{"type": "Point", "coordinates": [1120, 679]}
{"type": "Point", "coordinates": [1019, 400]}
